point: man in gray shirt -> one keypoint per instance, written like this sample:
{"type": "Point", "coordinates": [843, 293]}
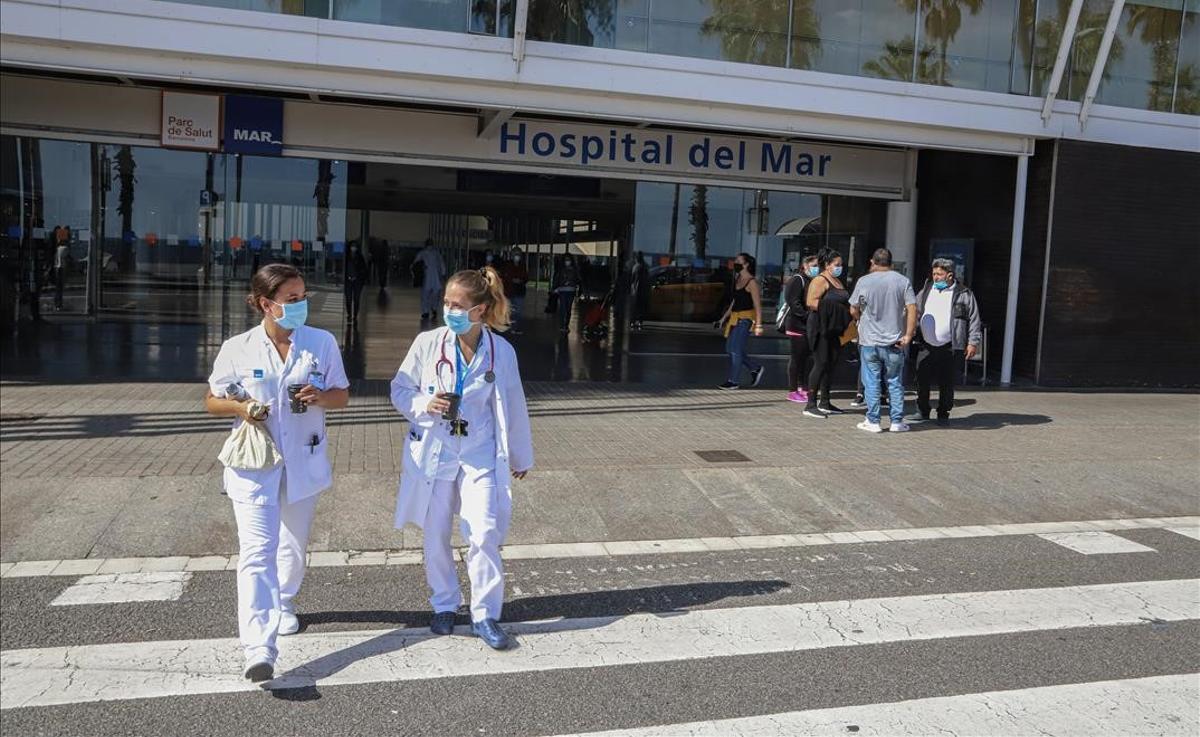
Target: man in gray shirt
{"type": "Point", "coordinates": [885, 306]}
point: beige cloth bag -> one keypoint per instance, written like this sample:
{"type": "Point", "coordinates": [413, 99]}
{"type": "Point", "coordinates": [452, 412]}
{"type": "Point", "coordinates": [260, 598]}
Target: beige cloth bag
{"type": "Point", "coordinates": [250, 448]}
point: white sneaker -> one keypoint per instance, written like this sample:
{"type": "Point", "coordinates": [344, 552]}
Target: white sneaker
{"type": "Point", "coordinates": [289, 623]}
{"type": "Point", "coordinates": [869, 426]}
{"type": "Point", "coordinates": [259, 668]}
{"type": "Point", "coordinates": [899, 427]}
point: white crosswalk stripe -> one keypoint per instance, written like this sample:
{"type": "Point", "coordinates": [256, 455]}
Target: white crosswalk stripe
{"type": "Point", "coordinates": [78, 674]}
{"type": "Point", "coordinates": [124, 587]}
{"type": "Point", "coordinates": [1095, 543]}
{"type": "Point", "coordinates": [1163, 705]}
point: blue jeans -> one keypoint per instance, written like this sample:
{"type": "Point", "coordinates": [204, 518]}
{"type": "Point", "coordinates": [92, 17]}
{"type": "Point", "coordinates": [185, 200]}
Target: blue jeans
{"type": "Point", "coordinates": [886, 361]}
{"type": "Point", "coordinates": [735, 346]}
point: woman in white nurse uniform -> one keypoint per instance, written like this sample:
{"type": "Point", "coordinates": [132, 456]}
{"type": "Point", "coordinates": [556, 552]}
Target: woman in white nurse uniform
{"type": "Point", "coordinates": [274, 508]}
{"type": "Point", "coordinates": [460, 453]}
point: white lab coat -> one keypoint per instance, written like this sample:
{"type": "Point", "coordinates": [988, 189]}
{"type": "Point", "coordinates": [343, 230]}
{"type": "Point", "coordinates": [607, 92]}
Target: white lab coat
{"type": "Point", "coordinates": [274, 515]}
{"type": "Point", "coordinates": [251, 360]}
{"type": "Point", "coordinates": [415, 385]}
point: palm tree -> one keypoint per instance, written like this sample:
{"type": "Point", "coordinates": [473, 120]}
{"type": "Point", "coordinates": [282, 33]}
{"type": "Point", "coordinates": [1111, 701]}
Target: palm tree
{"type": "Point", "coordinates": [896, 62]}
{"type": "Point", "coordinates": [325, 179]}
{"type": "Point", "coordinates": [1160, 30]}
{"type": "Point", "coordinates": [126, 166]}
{"type": "Point", "coordinates": [1038, 40]}
{"type": "Point", "coordinates": [755, 31]}
{"type": "Point", "coordinates": [567, 21]}
{"type": "Point", "coordinates": [1187, 90]}
{"type": "Point", "coordinates": [698, 217]}
{"type": "Point", "coordinates": [941, 23]}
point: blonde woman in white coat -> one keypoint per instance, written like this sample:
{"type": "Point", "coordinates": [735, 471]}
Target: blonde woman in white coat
{"type": "Point", "coordinates": [460, 389]}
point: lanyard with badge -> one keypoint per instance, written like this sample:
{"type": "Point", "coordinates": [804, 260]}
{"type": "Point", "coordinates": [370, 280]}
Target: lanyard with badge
{"type": "Point", "coordinates": [458, 426]}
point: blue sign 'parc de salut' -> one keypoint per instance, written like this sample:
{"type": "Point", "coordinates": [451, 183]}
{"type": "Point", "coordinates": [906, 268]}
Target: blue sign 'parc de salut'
{"type": "Point", "coordinates": [253, 125]}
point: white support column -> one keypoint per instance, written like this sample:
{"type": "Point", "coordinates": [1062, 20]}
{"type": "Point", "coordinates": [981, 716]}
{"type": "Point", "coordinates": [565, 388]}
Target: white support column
{"type": "Point", "coordinates": [1014, 270]}
{"type": "Point", "coordinates": [520, 22]}
{"type": "Point", "coordinates": [1060, 61]}
{"type": "Point", "coordinates": [902, 232]}
{"type": "Point", "coordinates": [1110, 30]}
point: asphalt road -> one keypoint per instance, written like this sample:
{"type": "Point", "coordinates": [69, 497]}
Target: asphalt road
{"type": "Point", "coordinates": [660, 641]}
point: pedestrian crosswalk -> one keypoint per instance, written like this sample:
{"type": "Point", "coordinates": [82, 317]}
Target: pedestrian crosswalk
{"type": "Point", "coordinates": [1140, 706]}
{"type": "Point", "coordinates": [1131, 620]}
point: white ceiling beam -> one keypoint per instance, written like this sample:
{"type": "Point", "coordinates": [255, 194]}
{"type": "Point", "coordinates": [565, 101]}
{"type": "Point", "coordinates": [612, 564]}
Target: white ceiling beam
{"type": "Point", "coordinates": [1110, 31]}
{"type": "Point", "coordinates": [1060, 61]}
{"type": "Point", "coordinates": [491, 120]}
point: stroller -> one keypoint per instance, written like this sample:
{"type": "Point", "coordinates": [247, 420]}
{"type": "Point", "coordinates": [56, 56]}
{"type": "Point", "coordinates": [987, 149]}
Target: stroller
{"type": "Point", "coordinates": [595, 319]}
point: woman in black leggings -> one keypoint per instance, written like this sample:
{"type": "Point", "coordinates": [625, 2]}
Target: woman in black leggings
{"type": "Point", "coordinates": [795, 326]}
{"type": "Point", "coordinates": [829, 305]}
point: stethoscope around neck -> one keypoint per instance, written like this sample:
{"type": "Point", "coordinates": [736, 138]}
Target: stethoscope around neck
{"type": "Point", "coordinates": [489, 376]}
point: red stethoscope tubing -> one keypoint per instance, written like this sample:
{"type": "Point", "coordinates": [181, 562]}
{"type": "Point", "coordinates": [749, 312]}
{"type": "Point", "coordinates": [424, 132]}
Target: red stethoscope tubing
{"type": "Point", "coordinates": [491, 372]}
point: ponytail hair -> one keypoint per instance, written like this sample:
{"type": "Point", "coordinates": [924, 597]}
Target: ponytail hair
{"type": "Point", "coordinates": [485, 287]}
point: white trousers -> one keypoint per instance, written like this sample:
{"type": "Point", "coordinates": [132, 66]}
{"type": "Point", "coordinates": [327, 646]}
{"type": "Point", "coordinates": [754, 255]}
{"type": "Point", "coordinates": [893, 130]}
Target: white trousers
{"type": "Point", "coordinates": [485, 517]}
{"type": "Point", "coordinates": [431, 300]}
{"type": "Point", "coordinates": [272, 540]}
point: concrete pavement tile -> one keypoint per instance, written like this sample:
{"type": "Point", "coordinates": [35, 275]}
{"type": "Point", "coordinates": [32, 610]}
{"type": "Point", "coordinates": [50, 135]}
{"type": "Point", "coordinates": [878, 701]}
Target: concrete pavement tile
{"type": "Point", "coordinates": [914, 533]}
{"type": "Point", "coordinates": [368, 558]}
{"type": "Point", "coordinates": [757, 542]}
{"type": "Point", "coordinates": [121, 565]}
{"type": "Point", "coordinates": [32, 568]}
{"type": "Point", "coordinates": [328, 558]}
{"type": "Point", "coordinates": [640, 547]}
{"type": "Point", "coordinates": [554, 550]}
{"type": "Point", "coordinates": [404, 557]}
{"type": "Point", "coordinates": [838, 538]}
{"type": "Point", "coordinates": [872, 536]}
{"type": "Point", "coordinates": [172, 563]}
{"type": "Point", "coordinates": [85, 567]}
{"type": "Point", "coordinates": [208, 563]}
{"type": "Point", "coordinates": [719, 544]}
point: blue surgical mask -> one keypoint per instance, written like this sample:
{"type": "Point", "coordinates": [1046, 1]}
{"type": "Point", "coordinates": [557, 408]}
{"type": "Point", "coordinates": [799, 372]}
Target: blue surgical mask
{"type": "Point", "coordinates": [294, 314]}
{"type": "Point", "coordinates": [814, 270]}
{"type": "Point", "coordinates": [940, 285]}
{"type": "Point", "coordinates": [459, 321]}
{"type": "Point", "coordinates": [837, 271]}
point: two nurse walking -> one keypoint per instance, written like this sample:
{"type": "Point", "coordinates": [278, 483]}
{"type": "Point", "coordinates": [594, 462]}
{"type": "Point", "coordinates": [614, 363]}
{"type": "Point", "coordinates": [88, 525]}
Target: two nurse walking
{"type": "Point", "coordinates": [449, 467]}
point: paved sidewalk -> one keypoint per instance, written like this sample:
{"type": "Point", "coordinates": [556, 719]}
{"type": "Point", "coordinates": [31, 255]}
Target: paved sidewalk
{"type": "Point", "coordinates": [130, 470]}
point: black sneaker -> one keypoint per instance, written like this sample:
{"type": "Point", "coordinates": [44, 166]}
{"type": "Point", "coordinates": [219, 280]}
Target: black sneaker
{"type": "Point", "coordinates": [814, 412]}
{"type": "Point", "coordinates": [943, 420]}
{"type": "Point", "coordinates": [756, 375]}
{"type": "Point", "coordinates": [729, 385]}
{"type": "Point", "coordinates": [858, 402]}
{"type": "Point", "coordinates": [829, 409]}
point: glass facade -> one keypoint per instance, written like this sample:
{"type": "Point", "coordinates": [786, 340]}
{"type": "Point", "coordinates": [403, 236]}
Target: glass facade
{"type": "Point", "coordinates": [135, 261]}
{"type": "Point", "coordinates": [1006, 46]}
{"type": "Point", "coordinates": [690, 234]}
{"type": "Point", "coordinates": [489, 17]}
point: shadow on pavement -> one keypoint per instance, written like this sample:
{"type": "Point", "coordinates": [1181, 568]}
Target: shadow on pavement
{"type": "Point", "coordinates": [997, 421]}
{"type": "Point", "coordinates": [591, 610]}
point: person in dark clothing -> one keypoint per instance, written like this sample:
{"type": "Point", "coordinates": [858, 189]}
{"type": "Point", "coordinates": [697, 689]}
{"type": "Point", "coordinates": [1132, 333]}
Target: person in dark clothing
{"type": "Point", "coordinates": [828, 302]}
{"type": "Point", "coordinates": [795, 327]}
{"type": "Point", "coordinates": [566, 286]}
{"type": "Point", "coordinates": [639, 290]}
{"type": "Point", "coordinates": [950, 328]}
{"type": "Point", "coordinates": [515, 275]}
{"type": "Point", "coordinates": [356, 279]}
{"type": "Point", "coordinates": [381, 257]}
